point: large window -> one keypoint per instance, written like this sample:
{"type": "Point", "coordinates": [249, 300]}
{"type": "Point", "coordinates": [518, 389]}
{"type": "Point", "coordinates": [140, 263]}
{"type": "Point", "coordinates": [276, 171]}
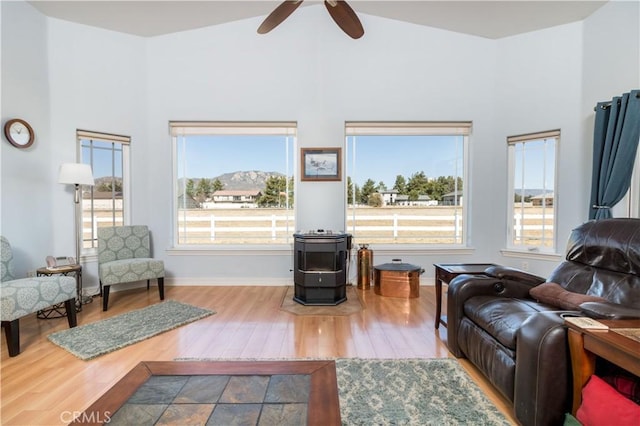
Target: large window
{"type": "Point", "coordinates": [233, 182]}
{"type": "Point", "coordinates": [532, 190]}
{"type": "Point", "coordinates": [406, 182]}
{"type": "Point", "coordinates": [106, 202]}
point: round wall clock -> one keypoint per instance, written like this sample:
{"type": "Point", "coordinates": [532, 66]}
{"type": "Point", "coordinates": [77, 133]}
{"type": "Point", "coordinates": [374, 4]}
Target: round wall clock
{"type": "Point", "coordinates": [19, 133]}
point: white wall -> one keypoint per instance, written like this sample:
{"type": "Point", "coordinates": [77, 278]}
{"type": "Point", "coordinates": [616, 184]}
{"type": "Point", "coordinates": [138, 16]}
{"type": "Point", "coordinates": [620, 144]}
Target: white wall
{"type": "Point", "coordinates": [307, 71]}
{"type": "Point", "coordinates": [611, 66]}
{"type": "Point", "coordinates": [540, 76]}
{"type": "Point", "coordinates": [28, 191]}
{"type": "Point", "coordinates": [310, 72]}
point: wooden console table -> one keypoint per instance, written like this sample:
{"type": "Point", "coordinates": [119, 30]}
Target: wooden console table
{"type": "Point", "coordinates": [585, 345]}
{"type": "Point", "coordinates": [445, 272]}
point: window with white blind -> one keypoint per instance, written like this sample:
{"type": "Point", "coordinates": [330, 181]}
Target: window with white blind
{"type": "Point", "coordinates": [532, 197]}
{"type": "Point", "coordinates": [107, 202]}
{"type": "Point", "coordinates": [233, 182]}
{"type": "Point", "coordinates": [406, 182]}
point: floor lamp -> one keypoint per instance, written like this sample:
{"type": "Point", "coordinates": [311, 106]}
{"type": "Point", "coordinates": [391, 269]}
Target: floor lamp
{"type": "Point", "coordinates": [76, 174]}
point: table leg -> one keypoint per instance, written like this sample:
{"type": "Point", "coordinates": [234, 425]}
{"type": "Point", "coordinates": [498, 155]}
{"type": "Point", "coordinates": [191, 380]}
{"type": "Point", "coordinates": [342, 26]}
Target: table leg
{"type": "Point", "coordinates": [583, 365]}
{"type": "Point", "coordinates": [438, 300]}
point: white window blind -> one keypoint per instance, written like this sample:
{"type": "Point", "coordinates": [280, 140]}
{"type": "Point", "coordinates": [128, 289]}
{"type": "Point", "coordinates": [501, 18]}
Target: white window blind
{"type": "Point", "coordinates": [179, 128]}
{"type": "Point", "coordinates": [405, 128]}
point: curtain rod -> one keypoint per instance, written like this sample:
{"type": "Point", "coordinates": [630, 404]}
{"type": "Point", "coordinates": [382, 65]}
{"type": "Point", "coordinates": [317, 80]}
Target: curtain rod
{"type": "Point", "coordinates": [608, 104]}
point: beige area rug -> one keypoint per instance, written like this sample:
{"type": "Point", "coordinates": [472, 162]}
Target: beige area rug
{"type": "Point", "coordinates": [352, 305]}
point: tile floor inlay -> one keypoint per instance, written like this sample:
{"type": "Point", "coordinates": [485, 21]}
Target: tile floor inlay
{"type": "Point", "coordinates": [218, 400]}
{"type": "Point", "coordinates": [261, 393]}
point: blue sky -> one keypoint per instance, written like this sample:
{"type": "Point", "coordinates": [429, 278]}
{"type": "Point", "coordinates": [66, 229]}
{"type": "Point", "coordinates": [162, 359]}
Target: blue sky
{"type": "Point", "coordinates": [380, 158]}
{"type": "Point", "coordinates": [209, 156]}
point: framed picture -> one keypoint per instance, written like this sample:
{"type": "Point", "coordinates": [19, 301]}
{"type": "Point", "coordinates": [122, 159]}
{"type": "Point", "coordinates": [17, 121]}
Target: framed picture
{"type": "Point", "coordinates": [321, 164]}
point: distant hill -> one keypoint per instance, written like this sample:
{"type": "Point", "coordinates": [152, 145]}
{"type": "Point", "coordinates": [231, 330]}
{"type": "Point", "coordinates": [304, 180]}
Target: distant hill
{"type": "Point", "coordinates": [243, 180]}
{"type": "Point", "coordinates": [107, 179]}
{"type": "Point", "coordinates": [532, 192]}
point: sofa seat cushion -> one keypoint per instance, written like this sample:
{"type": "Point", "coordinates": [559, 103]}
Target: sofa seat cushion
{"type": "Point", "coordinates": [130, 270]}
{"type": "Point", "coordinates": [28, 295]}
{"type": "Point", "coordinates": [502, 317]}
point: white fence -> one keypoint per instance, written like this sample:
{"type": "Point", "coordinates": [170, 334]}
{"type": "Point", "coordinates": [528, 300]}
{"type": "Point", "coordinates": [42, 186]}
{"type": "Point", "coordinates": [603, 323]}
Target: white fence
{"type": "Point", "coordinates": [539, 225]}
{"type": "Point", "coordinates": [216, 224]}
{"type": "Point", "coordinates": [212, 227]}
{"type": "Point", "coordinates": [275, 225]}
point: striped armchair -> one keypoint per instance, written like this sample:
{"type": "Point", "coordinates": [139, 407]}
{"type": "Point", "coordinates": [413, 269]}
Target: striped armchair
{"type": "Point", "coordinates": [124, 256]}
{"type": "Point", "coordinates": [21, 297]}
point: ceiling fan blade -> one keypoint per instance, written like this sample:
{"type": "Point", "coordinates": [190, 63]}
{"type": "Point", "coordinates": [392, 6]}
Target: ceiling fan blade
{"type": "Point", "coordinates": [278, 15]}
{"type": "Point", "coordinates": [345, 17]}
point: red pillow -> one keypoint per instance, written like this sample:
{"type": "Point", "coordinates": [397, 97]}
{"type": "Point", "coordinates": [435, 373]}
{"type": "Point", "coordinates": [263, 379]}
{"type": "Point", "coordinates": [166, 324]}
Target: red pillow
{"type": "Point", "coordinates": [555, 295]}
{"type": "Point", "coordinates": [602, 405]}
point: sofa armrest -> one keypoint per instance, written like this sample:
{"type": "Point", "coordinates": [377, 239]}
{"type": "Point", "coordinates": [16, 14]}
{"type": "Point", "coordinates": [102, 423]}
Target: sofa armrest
{"type": "Point", "coordinates": [543, 370]}
{"type": "Point", "coordinates": [464, 287]}
{"type": "Point", "coordinates": [608, 310]}
{"type": "Point", "coordinates": [512, 274]}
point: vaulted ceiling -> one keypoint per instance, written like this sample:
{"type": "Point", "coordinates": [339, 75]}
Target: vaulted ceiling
{"type": "Point", "coordinates": [490, 19]}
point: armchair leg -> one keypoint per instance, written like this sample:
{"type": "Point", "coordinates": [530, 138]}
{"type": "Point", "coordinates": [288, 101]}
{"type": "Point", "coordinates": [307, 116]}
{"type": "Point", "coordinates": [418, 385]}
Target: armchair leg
{"type": "Point", "coordinates": [12, 333]}
{"type": "Point", "coordinates": [148, 284]}
{"type": "Point", "coordinates": [105, 297]}
{"type": "Point", "coordinates": [70, 307]}
{"type": "Point", "coordinates": [161, 287]}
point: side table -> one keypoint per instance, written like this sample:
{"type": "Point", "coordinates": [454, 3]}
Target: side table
{"type": "Point", "coordinates": [585, 345]}
{"type": "Point", "coordinates": [58, 311]}
{"type": "Point", "coordinates": [445, 272]}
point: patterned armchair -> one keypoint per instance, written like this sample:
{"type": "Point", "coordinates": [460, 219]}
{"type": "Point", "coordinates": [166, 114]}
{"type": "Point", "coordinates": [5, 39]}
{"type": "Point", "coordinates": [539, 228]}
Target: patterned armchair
{"type": "Point", "coordinates": [21, 297]}
{"type": "Point", "coordinates": [124, 256]}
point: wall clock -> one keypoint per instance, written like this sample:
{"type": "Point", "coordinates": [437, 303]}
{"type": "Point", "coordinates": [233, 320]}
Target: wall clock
{"type": "Point", "coordinates": [19, 133]}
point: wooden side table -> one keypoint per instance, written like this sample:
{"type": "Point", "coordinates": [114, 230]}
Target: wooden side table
{"type": "Point", "coordinates": [58, 311]}
{"type": "Point", "coordinates": [445, 272]}
{"type": "Point", "coordinates": [585, 345]}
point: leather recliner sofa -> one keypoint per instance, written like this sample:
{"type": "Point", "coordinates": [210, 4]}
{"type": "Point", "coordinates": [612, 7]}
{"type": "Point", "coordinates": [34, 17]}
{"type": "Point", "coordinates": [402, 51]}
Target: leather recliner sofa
{"type": "Point", "coordinates": [519, 342]}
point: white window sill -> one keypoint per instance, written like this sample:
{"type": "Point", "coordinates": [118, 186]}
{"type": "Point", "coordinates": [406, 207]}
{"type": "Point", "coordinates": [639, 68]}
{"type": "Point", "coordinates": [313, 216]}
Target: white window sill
{"type": "Point", "coordinates": [529, 254]}
{"type": "Point", "coordinates": [391, 249]}
{"type": "Point", "coordinates": [233, 250]}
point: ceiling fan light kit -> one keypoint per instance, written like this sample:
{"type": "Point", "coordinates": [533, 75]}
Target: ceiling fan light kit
{"type": "Point", "coordinates": [340, 12]}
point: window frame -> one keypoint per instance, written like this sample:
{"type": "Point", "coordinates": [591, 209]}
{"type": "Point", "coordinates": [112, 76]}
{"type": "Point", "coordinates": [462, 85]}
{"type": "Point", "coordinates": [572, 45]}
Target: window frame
{"type": "Point", "coordinates": [511, 209]}
{"type": "Point", "coordinates": [125, 143]}
{"type": "Point", "coordinates": [191, 128]}
{"type": "Point", "coordinates": [417, 128]}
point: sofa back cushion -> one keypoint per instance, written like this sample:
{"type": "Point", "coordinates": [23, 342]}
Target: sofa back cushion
{"type": "Point", "coordinates": [123, 242]}
{"type": "Point", "coordinates": [603, 259]}
{"type": "Point", "coordinates": [611, 244]}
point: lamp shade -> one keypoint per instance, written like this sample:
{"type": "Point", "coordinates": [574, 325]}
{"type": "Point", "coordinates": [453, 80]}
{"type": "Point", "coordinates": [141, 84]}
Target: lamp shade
{"type": "Point", "coordinates": [75, 174]}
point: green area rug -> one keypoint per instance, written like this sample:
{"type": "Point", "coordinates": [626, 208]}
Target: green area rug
{"type": "Point", "coordinates": [101, 337]}
{"type": "Point", "coordinates": [420, 392]}
{"type": "Point", "coordinates": [411, 392]}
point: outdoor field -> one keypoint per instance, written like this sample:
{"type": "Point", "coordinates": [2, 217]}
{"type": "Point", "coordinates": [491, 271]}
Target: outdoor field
{"type": "Point", "coordinates": [373, 225]}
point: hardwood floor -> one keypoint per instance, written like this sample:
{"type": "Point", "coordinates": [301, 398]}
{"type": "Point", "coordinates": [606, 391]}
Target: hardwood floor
{"type": "Point", "coordinates": [46, 385]}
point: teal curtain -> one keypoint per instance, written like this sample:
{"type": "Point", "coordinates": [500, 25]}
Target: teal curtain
{"type": "Point", "coordinates": [615, 142]}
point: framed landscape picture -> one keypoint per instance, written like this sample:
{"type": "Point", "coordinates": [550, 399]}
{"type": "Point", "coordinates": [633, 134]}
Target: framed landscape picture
{"type": "Point", "coordinates": [321, 164]}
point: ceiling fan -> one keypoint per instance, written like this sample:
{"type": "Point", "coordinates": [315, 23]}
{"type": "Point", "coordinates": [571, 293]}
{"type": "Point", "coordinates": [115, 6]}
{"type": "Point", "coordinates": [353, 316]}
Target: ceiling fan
{"type": "Point", "coordinates": [339, 10]}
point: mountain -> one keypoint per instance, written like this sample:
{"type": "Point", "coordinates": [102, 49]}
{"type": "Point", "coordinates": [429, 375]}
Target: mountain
{"type": "Point", "coordinates": [532, 192]}
{"type": "Point", "coordinates": [98, 182]}
{"type": "Point", "coordinates": [253, 179]}
{"type": "Point", "coordinates": [243, 180]}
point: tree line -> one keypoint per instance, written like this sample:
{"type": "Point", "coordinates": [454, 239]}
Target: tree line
{"type": "Point", "coordinates": [277, 194]}
{"type": "Point", "coordinates": [416, 185]}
